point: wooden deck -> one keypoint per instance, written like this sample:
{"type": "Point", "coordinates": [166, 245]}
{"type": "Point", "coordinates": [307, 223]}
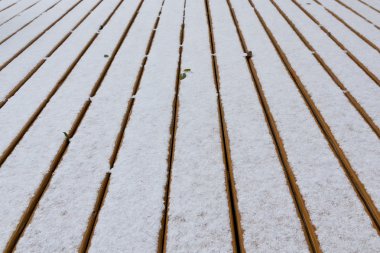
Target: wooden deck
{"type": "Point", "coordinates": [189, 126]}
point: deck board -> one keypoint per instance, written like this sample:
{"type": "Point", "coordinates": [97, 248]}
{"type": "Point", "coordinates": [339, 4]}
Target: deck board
{"type": "Point", "coordinates": [189, 126]}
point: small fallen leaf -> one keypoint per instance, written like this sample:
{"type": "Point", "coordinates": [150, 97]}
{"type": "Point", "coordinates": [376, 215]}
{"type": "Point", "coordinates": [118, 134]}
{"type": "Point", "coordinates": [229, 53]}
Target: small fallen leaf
{"type": "Point", "coordinates": [182, 76]}
{"type": "Point", "coordinates": [67, 136]}
{"type": "Point", "coordinates": [187, 70]}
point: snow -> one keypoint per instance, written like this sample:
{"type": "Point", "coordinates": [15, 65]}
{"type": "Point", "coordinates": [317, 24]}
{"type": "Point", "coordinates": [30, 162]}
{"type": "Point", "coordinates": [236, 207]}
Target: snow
{"type": "Point", "coordinates": [28, 16]}
{"type": "Point", "coordinates": [16, 112]}
{"type": "Point", "coordinates": [353, 43]}
{"type": "Point", "coordinates": [133, 209]}
{"type": "Point", "coordinates": [6, 3]}
{"type": "Point", "coordinates": [13, 11]}
{"type": "Point", "coordinates": [373, 3]}
{"type": "Point", "coordinates": [15, 72]}
{"type": "Point", "coordinates": [86, 161]}
{"type": "Point", "coordinates": [198, 220]}
{"type": "Point", "coordinates": [317, 171]}
{"type": "Point", "coordinates": [363, 10]}
{"type": "Point", "coordinates": [365, 90]}
{"type": "Point", "coordinates": [354, 136]}
{"type": "Point", "coordinates": [268, 214]}
{"type": "Point", "coordinates": [362, 26]}
{"type": "Point", "coordinates": [30, 161]}
{"type": "Point", "coordinates": [105, 72]}
{"type": "Point", "coordinates": [17, 42]}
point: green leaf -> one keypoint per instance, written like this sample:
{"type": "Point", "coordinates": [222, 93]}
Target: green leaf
{"type": "Point", "coordinates": [67, 136]}
{"type": "Point", "coordinates": [187, 70]}
{"type": "Point", "coordinates": [182, 76]}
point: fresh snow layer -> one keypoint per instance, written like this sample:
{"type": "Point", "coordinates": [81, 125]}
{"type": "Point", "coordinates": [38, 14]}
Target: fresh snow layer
{"type": "Point", "coordinates": [363, 27]}
{"type": "Point", "coordinates": [19, 21]}
{"type": "Point", "coordinates": [351, 41]}
{"type": "Point", "coordinates": [15, 113]}
{"type": "Point", "coordinates": [198, 219]}
{"type": "Point", "coordinates": [318, 172]}
{"type": "Point", "coordinates": [17, 42]}
{"type": "Point", "coordinates": [374, 3]}
{"type": "Point", "coordinates": [62, 211]}
{"type": "Point", "coordinates": [133, 209]}
{"type": "Point", "coordinates": [5, 3]}
{"type": "Point", "coordinates": [15, 72]}
{"type": "Point", "coordinates": [268, 215]}
{"type": "Point", "coordinates": [364, 89]}
{"type": "Point", "coordinates": [363, 10]}
{"type": "Point", "coordinates": [31, 159]}
{"type": "Point", "coordinates": [355, 137]}
{"type": "Point", "coordinates": [15, 10]}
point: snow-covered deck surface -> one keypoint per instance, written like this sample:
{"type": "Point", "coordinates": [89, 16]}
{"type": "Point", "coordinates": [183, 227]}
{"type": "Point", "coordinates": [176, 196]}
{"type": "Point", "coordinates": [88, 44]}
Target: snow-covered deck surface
{"type": "Point", "coordinates": [190, 126]}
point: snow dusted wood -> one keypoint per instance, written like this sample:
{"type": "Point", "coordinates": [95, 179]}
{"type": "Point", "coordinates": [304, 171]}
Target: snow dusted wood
{"type": "Point", "coordinates": [350, 40]}
{"type": "Point", "coordinates": [346, 75]}
{"type": "Point", "coordinates": [198, 220]}
{"type": "Point", "coordinates": [263, 195]}
{"type": "Point", "coordinates": [357, 145]}
{"type": "Point", "coordinates": [31, 161]}
{"type": "Point", "coordinates": [17, 8]}
{"type": "Point", "coordinates": [15, 74]}
{"type": "Point", "coordinates": [362, 11]}
{"type": "Point", "coordinates": [21, 21]}
{"type": "Point", "coordinates": [86, 162]}
{"type": "Point", "coordinates": [314, 175]}
{"type": "Point", "coordinates": [368, 30]}
{"type": "Point", "coordinates": [189, 126]}
{"type": "Point", "coordinates": [50, 77]}
{"type": "Point", "coordinates": [6, 4]}
{"type": "Point", "coordinates": [22, 40]}
{"type": "Point", "coordinates": [134, 205]}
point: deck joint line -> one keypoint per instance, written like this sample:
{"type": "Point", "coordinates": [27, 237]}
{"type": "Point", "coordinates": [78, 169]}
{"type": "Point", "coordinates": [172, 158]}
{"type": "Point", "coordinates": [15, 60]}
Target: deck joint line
{"type": "Point", "coordinates": [361, 36]}
{"type": "Point", "coordinates": [136, 86]}
{"type": "Point", "coordinates": [307, 225]}
{"type": "Point", "coordinates": [86, 241]}
{"type": "Point", "coordinates": [236, 227]}
{"type": "Point", "coordinates": [356, 13]}
{"type": "Point", "coordinates": [339, 44]}
{"type": "Point", "coordinates": [365, 116]}
{"type": "Point", "coordinates": [53, 91]}
{"type": "Point", "coordinates": [9, 6]}
{"type": "Point", "coordinates": [357, 185]}
{"type": "Point", "coordinates": [369, 6]}
{"type": "Point", "coordinates": [162, 241]}
{"type": "Point", "coordinates": [28, 214]}
{"type": "Point", "coordinates": [6, 63]}
{"type": "Point", "coordinates": [19, 13]}
{"type": "Point", "coordinates": [29, 22]}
